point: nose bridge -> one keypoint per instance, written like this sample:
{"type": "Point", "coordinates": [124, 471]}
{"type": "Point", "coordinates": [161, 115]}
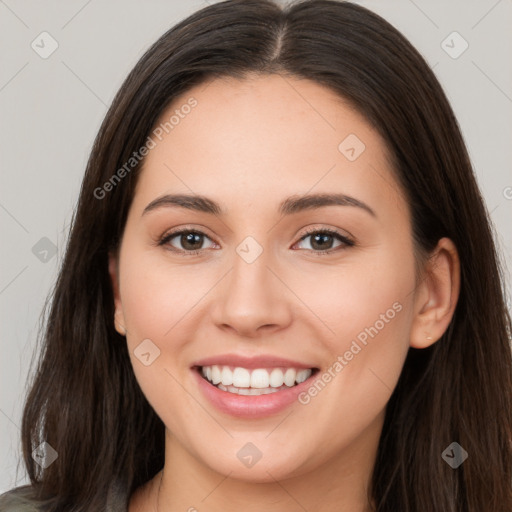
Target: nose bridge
{"type": "Point", "coordinates": [250, 266]}
{"type": "Point", "coordinates": [252, 296]}
{"type": "Point", "coordinates": [250, 278]}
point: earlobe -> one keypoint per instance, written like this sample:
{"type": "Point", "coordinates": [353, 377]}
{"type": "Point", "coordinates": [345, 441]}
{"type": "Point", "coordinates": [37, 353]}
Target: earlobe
{"type": "Point", "coordinates": [436, 296]}
{"type": "Point", "coordinates": [114, 279]}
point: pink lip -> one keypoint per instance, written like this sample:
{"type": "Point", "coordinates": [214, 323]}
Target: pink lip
{"type": "Point", "coordinates": [250, 406]}
{"type": "Point", "coordinates": [260, 361]}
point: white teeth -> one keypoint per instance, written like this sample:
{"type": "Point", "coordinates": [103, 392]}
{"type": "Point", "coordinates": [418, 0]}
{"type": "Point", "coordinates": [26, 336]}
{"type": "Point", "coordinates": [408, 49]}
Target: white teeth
{"type": "Point", "coordinates": [241, 377]}
{"type": "Point", "coordinates": [226, 376]}
{"type": "Point", "coordinates": [276, 378]}
{"type": "Point", "coordinates": [259, 379]}
{"type": "Point", "coordinates": [289, 377]}
{"type": "Point", "coordinates": [302, 375]}
{"type": "Point", "coordinates": [216, 374]}
{"type": "Point", "coordinates": [249, 391]}
{"type": "Point", "coordinates": [252, 380]}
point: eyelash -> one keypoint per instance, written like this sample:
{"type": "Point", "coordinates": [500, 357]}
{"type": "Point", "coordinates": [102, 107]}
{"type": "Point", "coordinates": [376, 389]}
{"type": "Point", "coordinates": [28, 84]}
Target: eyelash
{"type": "Point", "coordinates": [166, 238]}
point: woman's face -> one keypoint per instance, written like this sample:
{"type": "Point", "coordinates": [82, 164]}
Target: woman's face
{"type": "Point", "coordinates": [260, 285]}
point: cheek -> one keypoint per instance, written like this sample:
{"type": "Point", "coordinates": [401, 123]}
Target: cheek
{"type": "Point", "coordinates": [352, 390]}
{"type": "Point", "coordinates": [374, 320]}
{"type": "Point", "coordinates": [362, 298]}
{"type": "Point", "coordinates": [370, 312]}
{"type": "Point", "coordinates": [156, 300]}
{"type": "Point", "coordinates": [157, 295]}
{"type": "Point", "coordinates": [159, 300]}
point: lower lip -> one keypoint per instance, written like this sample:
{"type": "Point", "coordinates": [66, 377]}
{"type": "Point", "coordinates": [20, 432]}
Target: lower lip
{"type": "Point", "coordinates": [250, 406]}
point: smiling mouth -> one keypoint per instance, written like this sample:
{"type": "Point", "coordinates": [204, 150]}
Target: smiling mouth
{"type": "Point", "coordinates": [259, 381]}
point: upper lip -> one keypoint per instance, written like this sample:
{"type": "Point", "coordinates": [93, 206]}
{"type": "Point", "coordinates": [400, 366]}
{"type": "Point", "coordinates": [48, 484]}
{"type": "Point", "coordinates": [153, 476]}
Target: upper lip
{"type": "Point", "coordinates": [259, 361]}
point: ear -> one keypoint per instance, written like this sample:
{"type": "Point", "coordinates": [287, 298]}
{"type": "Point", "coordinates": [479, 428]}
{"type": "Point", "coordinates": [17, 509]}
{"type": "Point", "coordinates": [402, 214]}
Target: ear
{"type": "Point", "coordinates": [436, 295]}
{"type": "Point", "coordinates": [113, 269]}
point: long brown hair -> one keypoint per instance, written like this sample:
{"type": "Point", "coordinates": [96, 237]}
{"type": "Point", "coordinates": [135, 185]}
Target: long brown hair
{"type": "Point", "coordinates": [85, 401]}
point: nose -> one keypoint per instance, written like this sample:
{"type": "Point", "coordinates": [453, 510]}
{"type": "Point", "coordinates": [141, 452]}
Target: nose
{"type": "Point", "coordinates": [253, 298]}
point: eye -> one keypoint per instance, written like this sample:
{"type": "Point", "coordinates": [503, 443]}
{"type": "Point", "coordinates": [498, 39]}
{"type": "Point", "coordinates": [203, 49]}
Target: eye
{"type": "Point", "coordinates": [191, 241]}
{"type": "Point", "coordinates": [322, 240]}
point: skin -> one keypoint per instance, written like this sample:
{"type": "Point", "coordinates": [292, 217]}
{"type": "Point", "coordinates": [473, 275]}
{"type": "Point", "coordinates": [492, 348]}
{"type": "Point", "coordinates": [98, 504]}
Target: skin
{"type": "Point", "coordinates": [249, 144]}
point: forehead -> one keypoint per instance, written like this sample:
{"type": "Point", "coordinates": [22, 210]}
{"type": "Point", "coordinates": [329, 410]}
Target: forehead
{"type": "Point", "coordinates": [268, 136]}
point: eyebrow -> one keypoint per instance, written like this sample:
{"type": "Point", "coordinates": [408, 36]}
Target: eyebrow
{"type": "Point", "coordinates": [289, 206]}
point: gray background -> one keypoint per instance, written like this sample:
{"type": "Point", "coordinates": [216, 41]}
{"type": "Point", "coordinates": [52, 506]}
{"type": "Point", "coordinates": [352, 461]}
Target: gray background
{"type": "Point", "coordinates": [51, 109]}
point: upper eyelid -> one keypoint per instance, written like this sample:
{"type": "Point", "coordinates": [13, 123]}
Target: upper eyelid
{"type": "Point", "coordinates": [332, 231]}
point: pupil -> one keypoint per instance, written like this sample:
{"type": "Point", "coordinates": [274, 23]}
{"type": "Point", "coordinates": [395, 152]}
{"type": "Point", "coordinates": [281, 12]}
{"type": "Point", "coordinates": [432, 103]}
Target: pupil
{"type": "Point", "coordinates": [323, 237]}
{"type": "Point", "coordinates": [189, 239]}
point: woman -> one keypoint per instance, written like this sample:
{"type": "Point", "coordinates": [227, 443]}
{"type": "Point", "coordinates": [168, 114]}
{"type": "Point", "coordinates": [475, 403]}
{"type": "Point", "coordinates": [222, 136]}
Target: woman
{"type": "Point", "coordinates": [281, 290]}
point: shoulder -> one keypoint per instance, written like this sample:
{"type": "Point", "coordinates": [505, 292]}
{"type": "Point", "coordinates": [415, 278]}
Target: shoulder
{"type": "Point", "coordinates": [22, 499]}
{"type": "Point", "coordinates": [18, 499]}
